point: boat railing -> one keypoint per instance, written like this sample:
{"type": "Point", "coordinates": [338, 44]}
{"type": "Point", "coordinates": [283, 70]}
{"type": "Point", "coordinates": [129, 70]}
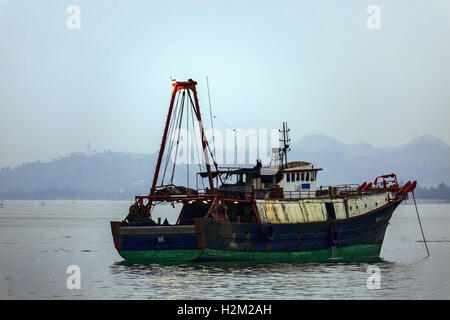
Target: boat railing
{"type": "Point", "coordinates": [205, 195]}
{"type": "Point", "coordinates": [337, 191]}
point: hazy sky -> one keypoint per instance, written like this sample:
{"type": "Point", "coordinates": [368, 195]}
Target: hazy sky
{"type": "Point", "coordinates": [314, 64]}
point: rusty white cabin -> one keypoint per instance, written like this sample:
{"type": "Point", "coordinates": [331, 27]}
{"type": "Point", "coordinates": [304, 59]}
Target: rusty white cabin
{"type": "Point", "coordinates": [293, 180]}
{"type": "Point", "coordinates": [299, 179]}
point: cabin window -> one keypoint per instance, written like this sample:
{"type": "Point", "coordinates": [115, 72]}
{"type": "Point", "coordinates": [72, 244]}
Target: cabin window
{"type": "Point", "coordinates": [303, 176]}
{"type": "Point", "coordinates": [313, 176]}
{"type": "Point", "coordinates": [288, 177]}
{"type": "Point", "coordinates": [365, 205]}
{"type": "Point", "coordinates": [307, 176]}
{"type": "Point", "coordinates": [293, 177]}
{"type": "Point", "coordinates": [376, 204]}
{"type": "Point", "coordinates": [297, 176]}
{"type": "Point", "coordinates": [350, 208]}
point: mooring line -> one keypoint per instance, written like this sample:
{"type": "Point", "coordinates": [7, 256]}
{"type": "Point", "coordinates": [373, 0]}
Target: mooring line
{"type": "Point", "coordinates": [420, 224]}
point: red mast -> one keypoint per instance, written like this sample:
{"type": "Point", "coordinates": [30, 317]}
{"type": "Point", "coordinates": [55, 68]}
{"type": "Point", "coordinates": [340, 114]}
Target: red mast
{"type": "Point", "coordinates": [177, 86]}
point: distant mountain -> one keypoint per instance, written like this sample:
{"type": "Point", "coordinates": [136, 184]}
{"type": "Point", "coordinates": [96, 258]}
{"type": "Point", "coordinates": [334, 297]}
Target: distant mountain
{"type": "Point", "coordinates": [110, 175]}
{"type": "Point", "coordinates": [425, 159]}
{"type": "Point", "coordinates": [118, 175]}
{"type": "Point", "coordinates": [442, 191]}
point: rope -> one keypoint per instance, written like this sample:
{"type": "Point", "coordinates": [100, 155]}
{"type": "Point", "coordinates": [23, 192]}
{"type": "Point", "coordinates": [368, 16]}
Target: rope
{"type": "Point", "coordinates": [208, 148]}
{"type": "Point", "coordinates": [206, 141]}
{"type": "Point", "coordinates": [170, 133]}
{"type": "Point", "coordinates": [223, 122]}
{"type": "Point", "coordinates": [178, 140]}
{"type": "Point", "coordinates": [174, 129]}
{"type": "Point", "coordinates": [196, 148]}
{"type": "Point", "coordinates": [211, 117]}
{"type": "Point", "coordinates": [420, 224]}
{"type": "Point", "coordinates": [187, 139]}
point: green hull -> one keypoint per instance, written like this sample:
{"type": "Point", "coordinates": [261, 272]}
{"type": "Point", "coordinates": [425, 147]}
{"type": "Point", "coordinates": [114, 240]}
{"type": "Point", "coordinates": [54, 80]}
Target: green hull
{"type": "Point", "coordinates": [160, 256]}
{"type": "Point", "coordinates": [356, 253]}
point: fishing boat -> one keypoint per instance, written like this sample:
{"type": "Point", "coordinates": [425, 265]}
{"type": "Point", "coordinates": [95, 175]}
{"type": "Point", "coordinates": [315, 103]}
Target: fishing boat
{"type": "Point", "coordinates": [271, 213]}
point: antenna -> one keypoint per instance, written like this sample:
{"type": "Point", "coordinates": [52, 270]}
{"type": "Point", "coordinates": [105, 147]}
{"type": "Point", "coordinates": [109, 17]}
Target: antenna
{"type": "Point", "coordinates": [285, 140]}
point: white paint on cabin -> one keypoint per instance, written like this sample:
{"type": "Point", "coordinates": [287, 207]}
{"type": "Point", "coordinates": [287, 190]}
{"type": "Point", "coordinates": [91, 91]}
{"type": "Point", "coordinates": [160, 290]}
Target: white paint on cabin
{"type": "Point", "coordinates": [299, 176]}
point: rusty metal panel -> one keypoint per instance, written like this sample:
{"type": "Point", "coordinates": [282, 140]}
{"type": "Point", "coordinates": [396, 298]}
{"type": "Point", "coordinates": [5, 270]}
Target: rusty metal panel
{"type": "Point", "coordinates": [340, 209]}
{"type": "Point", "coordinates": [361, 205]}
{"type": "Point", "coordinates": [274, 211]}
{"type": "Point", "coordinates": [294, 213]}
{"type": "Point", "coordinates": [262, 212]}
{"type": "Point", "coordinates": [316, 210]}
{"type": "Point", "coordinates": [303, 211]}
{"type": "Point", "coordinates": [353, 207]}
{"type": "Point", "coordinates": [279, 212]}
{"type": "Point", "coordinates": [271, 212]}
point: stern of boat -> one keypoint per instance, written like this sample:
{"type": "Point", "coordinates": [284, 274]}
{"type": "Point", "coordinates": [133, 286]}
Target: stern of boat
{"type": "Point", "coordinates": [158, 243]}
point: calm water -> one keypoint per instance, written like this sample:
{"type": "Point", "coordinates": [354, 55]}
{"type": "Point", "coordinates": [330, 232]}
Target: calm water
{"type": "Point", "coordinates": [39, 240]}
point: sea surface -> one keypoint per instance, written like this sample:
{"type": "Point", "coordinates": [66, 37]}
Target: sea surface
{"type": "Point", "coordinates": [39, 240]}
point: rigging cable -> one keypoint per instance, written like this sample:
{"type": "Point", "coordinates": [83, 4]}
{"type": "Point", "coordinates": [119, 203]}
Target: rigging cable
{"type": "Point", "coordinates": [234, 130]}
{"type": "Point", "coordinates": [211, 117]}
{"type": "Point", "coordinates": [171, 134]}
{"type": "Point", "coordinates": [420, 224]}
{"type": "Point", "coordinates": [206, 140]}
{"type": "Point", "coordinates": [196, 148]}
{"type": "Point", "coordinates": [187, 139]}
{"type": "Point", "coordinates": [178, 139]}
